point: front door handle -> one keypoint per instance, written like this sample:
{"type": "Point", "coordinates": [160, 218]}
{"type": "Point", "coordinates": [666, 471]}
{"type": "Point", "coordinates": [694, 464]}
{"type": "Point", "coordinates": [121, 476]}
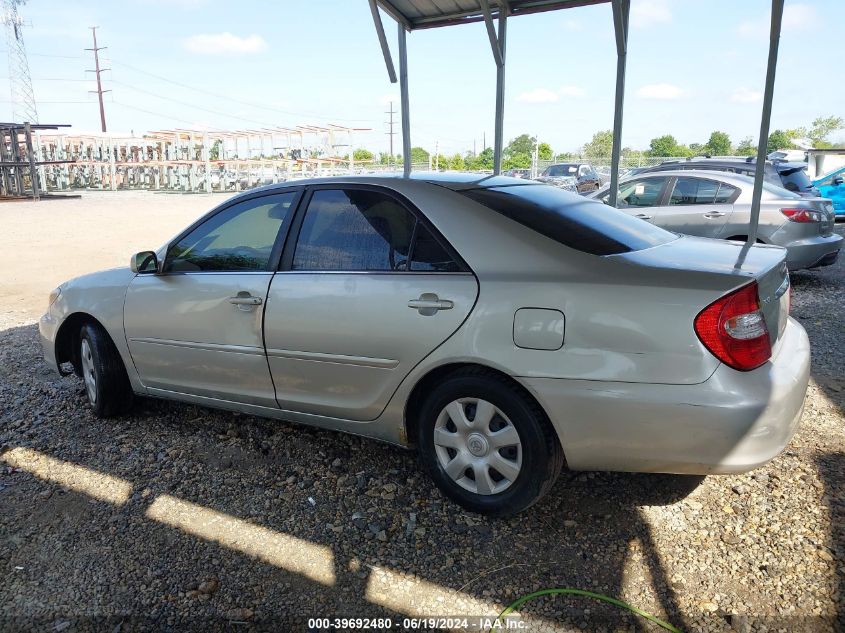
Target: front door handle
{"type": "Point", "coordinates": [643, 216]}
{"type": "Point", "coordinates": [714, 214]}
{"type": "Point", "coordinates": [429, 304]}
{"type": "Point", "coordinates": [245, 301]}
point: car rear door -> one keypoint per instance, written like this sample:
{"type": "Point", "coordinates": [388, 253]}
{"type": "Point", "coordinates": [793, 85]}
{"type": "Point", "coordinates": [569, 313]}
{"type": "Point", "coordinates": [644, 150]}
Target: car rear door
{"type": "Point", "coordinates": [697, 206]}
{"type": "Point", "coordinates": [366, 290]}
{"type": "Point", "coordinates": [196, 327]}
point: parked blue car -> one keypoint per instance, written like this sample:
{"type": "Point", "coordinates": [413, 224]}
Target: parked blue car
{"type": "Point", "coordinates": [832, 186]}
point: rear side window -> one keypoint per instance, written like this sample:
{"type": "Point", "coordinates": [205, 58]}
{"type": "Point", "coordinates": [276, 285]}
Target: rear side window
{"type": "Point", "coordinates": [571, 220]}
{"type": "Point", "coordinates": [353, 230]}
{"type": "Point", "coordinates": [688, 190]}
{"type": "Point", "coordinates": [365, 230]}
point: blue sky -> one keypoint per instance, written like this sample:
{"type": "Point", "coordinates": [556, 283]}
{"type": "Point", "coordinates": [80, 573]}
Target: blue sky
{"type": "Point", "coordinates": [694, 66]}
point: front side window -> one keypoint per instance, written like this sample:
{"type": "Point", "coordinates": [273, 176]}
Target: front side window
{"type": "Point", "coordinates": [354, 230]}
{"type": "Point", "coordinates": [239, 238]}
{"type": "Point", "coordinates": [641, 193]}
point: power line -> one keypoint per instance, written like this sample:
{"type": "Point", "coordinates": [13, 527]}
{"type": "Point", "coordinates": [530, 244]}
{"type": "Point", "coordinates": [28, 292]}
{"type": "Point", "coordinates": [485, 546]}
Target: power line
{"type": "Point", "coordinates": [229, 98]}
{"type": "Point", "coordinates": [159, 114]}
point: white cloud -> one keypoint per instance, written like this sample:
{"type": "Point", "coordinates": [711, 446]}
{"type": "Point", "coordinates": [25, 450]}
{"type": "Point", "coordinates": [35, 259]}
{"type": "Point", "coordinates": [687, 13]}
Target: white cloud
{"type": "Point", "coordinates": [573, 24]}
{"type": "Point", "coordinates": [572, 91]}
{"type": "Point", "coordinates": [662, 92]}
{"type": "Point", "coordinates": [538, 95]}
{"type": "Point", "coordinates": [744, 95]}
{"type": "Point", "coordinates": [224, 44]}
{"type": "Point", "coordinates": [796, 18]}
{"type": "Point", "coordinates": [645, 13]}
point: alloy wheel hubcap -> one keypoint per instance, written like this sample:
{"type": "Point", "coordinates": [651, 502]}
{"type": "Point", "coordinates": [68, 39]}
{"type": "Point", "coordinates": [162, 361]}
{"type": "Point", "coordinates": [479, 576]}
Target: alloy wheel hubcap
{"type": "Point", "coordinates": [88, 371]}
{"type": "Point", "coordinates": [477, 446]}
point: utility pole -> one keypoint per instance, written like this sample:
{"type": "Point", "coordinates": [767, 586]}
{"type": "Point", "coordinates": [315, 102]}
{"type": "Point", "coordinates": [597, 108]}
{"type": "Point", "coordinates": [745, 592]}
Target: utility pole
{"type": "Point", "coordinates": [437, 155]}
{"type": "Point", "coordinates": [391, 112]}
{"type": "Point", "coordinates": [98, 70]}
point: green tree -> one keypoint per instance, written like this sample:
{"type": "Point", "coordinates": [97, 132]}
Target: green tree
{"type": "Point", "coordinates": [665, 145]}
{"type": "Point", "coordinates": [719, 144]}
{"type": "Point", "coordinates": [781, 139]}
{"type": "Point", "coordinates": [544, 151]}
{"type": "Point", "coordinates": [746, 147]}
{"type": "Point", "coordinates": [522, 144]}
{"type": "Point", "coordinates": [419, 155]}
{"type": "Point", "coordinates": [824, 127]}
{"type": "Point", "coordinates": [361, 155]}
{"type": "Point", "coordinates": [517, 161]}
{"type": "Point", "coordinates": [600, 146]}
{"type": "Point", "coordinates": [456, 162]}
{"type": "Point", "coordinates": [484, 160]}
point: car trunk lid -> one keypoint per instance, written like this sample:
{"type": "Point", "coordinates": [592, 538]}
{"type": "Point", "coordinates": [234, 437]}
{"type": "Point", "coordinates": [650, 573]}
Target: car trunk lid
{"type": "Point", "coordinates": [734, 265]}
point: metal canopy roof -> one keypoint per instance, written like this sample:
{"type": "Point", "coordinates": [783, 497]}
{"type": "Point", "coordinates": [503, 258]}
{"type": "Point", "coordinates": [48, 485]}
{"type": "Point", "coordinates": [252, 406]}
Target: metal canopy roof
{"type": "Point", "coordinates": [423, 14]}
{"type": "Point", "coordinates": [411, 15]}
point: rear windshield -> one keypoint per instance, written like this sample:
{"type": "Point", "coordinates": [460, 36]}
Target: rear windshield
{"type": "Point", "coordinates": [585, 225]}
{"type": "Point", "coordinates": [556, 171]}
{"type": "Point", "coordinates": [795, 179]}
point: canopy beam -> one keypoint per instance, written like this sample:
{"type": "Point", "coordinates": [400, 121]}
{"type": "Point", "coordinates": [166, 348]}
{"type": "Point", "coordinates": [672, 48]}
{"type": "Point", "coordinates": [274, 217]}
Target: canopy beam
{"type": "Point", "coordinates": [382, 40]}
{"type": "Point", "coordinates": [765, 119]}
{"type": "Point", "coordinates": [621, 12]}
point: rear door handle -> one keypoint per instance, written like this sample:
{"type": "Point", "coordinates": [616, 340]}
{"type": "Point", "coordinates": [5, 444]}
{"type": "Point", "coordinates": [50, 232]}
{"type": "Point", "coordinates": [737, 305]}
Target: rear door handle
{"type": "Point", "coordinates": [714, 214]}
{"type": "Point", "coordinates": [643, 216]}
{"type": "Point", "coordinates": [429, 304]}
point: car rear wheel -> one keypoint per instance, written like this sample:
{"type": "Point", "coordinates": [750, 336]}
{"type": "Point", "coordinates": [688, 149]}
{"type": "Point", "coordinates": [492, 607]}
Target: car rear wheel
{"type": "Point", "coordinates": [487, 445]}
{"type": "Point", "coordinates": [103, 373]}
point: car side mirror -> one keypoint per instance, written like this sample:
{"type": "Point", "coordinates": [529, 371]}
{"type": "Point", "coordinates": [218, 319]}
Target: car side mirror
{"type": "Point", "coordinates": [838, 180]}
{"type": "Point", "coordinates": [144, 262]}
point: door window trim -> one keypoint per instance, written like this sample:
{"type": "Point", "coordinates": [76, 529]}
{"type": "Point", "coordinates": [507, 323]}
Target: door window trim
{"type": "Point", "coordinates": [278, 243]}
{"type": "Point", "coordinates": [286, 262]}
{"type": "Point", "coordinates": [674, 179]}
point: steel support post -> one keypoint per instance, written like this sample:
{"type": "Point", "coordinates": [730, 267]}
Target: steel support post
{"type": "Point", "coordinates": [30, 154]}
{"type": "Point", "coordinates": [621, 11]}
{"type": "Point", "coordinates": [498, 44]}
{"type": "Point", "coordinates": [765, 119]}
{"type": "Point", "coordinates": [403, 91]}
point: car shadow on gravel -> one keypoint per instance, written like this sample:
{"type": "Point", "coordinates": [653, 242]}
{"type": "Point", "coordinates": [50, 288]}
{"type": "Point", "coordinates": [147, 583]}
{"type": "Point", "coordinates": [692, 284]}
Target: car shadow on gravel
{"type": "Point", "coordinates": [235, 518]}
{"type": "Point", "coordinates": [831, 469]}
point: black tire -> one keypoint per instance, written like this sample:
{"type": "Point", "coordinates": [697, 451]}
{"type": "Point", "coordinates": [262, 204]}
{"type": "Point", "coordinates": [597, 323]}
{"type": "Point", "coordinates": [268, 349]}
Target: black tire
{"type": "Point", "coordinates": [542, 456]}
{"type": "Point", "coordinates": [110, 393]}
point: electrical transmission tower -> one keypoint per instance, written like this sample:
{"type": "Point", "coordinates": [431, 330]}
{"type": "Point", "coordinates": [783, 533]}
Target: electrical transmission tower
{"type": "Point", "coordinates": [23, 99]}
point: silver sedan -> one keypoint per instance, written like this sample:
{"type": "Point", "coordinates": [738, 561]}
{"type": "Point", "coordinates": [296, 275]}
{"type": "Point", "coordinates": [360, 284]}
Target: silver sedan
{"type": "Point", "coordinates": [718, 204]}
{"type": "Point", "coordinates": [504, 328]}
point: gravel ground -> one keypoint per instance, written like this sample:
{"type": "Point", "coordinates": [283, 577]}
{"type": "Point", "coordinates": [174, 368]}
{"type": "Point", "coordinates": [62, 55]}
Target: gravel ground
{"type": "Point", "coordinates": [182, 518]}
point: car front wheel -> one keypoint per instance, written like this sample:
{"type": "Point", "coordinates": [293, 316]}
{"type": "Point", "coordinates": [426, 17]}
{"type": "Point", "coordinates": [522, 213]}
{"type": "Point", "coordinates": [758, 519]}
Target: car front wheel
{"type": "Point", "coordinates": [487, 444]}
{"type": "Point", "coordinates": [103, 373]}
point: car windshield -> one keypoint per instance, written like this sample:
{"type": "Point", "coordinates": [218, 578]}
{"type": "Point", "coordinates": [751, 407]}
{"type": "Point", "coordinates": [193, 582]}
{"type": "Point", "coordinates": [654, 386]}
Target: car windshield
{"type": "Point", "coordinates": [584, 225]}
{"type": "Point", "coordinates": [555, 171]}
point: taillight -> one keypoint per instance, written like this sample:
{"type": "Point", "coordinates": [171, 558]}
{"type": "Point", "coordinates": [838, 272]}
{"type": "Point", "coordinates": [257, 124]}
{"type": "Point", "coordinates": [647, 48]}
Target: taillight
{"type": "Point", "coordinates": [734, 330]}
{"type": "Point", "coordinates": [802, 215]}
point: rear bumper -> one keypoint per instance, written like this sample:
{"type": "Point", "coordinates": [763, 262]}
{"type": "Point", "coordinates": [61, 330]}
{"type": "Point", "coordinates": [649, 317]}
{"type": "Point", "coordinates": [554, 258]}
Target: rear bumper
{"type": "Point", "coordinates": [733, 422]}
{"type": "Point", "coordinates": [812, 251]}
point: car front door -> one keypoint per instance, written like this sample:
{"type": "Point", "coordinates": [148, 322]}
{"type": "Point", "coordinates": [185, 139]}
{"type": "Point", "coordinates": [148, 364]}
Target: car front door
{"type": "Point", "coordinates": [367, 289]}
{"type": "Point", "coordinates": [641, 197]}
{"type": "Point", "coordinates": [697, 206]}
{"type": "Point", "coordinates": [195, 327]}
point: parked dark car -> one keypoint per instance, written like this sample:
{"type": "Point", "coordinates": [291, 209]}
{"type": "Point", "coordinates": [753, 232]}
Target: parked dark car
{"type": "Point", "coordinates": [586, 180]}
{"type": "Point", "coordinates": [787, 174]}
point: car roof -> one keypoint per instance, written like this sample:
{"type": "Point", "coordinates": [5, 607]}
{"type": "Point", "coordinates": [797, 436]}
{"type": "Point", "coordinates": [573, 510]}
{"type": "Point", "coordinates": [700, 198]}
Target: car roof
{"type": "Point", "coordinates": [456, 181]}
